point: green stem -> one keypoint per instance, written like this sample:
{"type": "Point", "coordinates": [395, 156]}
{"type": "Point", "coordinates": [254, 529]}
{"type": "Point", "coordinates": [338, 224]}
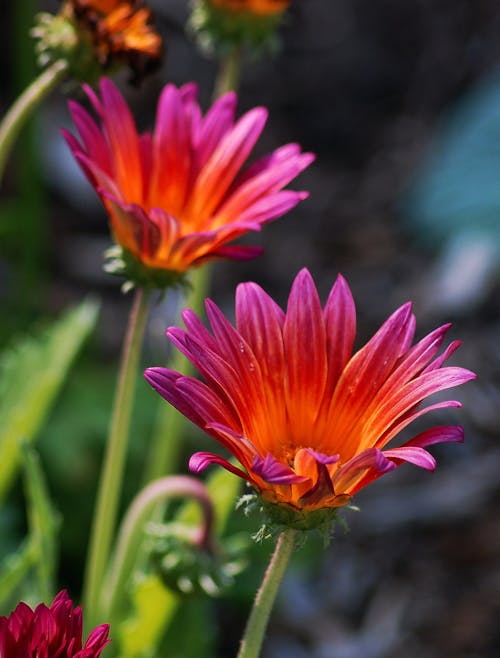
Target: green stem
{"type": "Point", "coordinates": [228, 76]}
{"type": "Point", "coordinates": [257, 622]}
{"type": "Point", "coordinates": [110, 485]}
{"type": "Point", "coordinates": [25, 105]}
{"type": "Point", "coordinates": [132, 530]}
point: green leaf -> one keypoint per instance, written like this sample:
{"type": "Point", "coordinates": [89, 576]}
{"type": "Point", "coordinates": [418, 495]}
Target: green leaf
{"type": "Point", "coordinates": [153, 605]}
{"type": "Point", "coordinates": [43, 522]}
{"type": "Point", "coordinates": [14, 569]}
{"type": "Point", "coordinates": [31, 374]}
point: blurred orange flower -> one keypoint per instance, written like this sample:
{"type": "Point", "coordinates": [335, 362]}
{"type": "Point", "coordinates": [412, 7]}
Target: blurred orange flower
{"type": "Point", "coordinates": [308, 420]}
{"type": "Point", "coordinates": [120, 30]}
{"type": "Point", "coordinates": [259, 7]}
{"type": "Point", "coordinates": [177, 197]}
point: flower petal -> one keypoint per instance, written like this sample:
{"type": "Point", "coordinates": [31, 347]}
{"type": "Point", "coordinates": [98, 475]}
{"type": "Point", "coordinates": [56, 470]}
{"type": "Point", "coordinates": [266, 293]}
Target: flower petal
{"type": "Point", "coordinates": [201, 460]}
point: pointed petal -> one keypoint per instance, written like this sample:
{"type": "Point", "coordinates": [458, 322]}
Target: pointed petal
{"type": "Point", "coordinates": [304, 339]}
{"type": "Point", "coordinates": [225, 162]}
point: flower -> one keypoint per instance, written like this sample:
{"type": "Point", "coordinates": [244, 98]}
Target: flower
{"type": "Point", "coordinates": [308, 421]}
{"type": "Point", "coordinates": [222, 25]}
{"type": "Point", "coordinates": [54, 632]}
{"type": "Point", "coordinates": [177, 197]}
{"type": "Point", "coordinates": [120, 30]}
{"type": "Point", "coordinates": [92, 35]}
{"type": "Point", "coordinates": [257, 7]}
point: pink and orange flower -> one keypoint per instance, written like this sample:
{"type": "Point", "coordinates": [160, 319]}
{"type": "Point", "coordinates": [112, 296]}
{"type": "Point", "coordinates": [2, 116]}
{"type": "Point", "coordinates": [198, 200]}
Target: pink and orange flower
{"type": "Point", "coordinates": [177, 197]}
{"type": "Point", "coordinates": [49, 632]}
{"type": "Point", "coordinates": [308, 420]}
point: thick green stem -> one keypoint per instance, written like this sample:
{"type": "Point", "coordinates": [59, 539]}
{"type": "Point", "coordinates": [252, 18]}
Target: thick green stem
{"type": "Point", "coordinates": [228, 76]}
{"type": "Point", "coordinates": [253, 637]}
{"type": "Point", "coordinates": [132, 530]}
{"type": "Point", "coordinates": [25, 105]}
{"type": "Point", "coordinates": [110, 485]}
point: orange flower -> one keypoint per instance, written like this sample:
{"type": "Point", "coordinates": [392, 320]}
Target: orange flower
{"type": "Point", "coordinates": [176, 198]}
{"type": "Point", "coordinates": [258, 7]}
{"type": "Point", "coordinates": [308, 421]}
{"type": "Point", "coordinates": [120, 30]}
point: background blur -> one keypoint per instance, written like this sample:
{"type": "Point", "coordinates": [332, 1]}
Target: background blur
{"type": "Point", "coordinates": [401, 103]}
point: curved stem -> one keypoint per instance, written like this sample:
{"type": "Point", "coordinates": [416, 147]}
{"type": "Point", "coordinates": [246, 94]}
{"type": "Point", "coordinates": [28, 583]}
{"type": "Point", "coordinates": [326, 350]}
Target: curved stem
{"type": "Point", "coordinates": [257, 622]}
{"type": "Point", "coordinates": [110, 485]}
{"type": "Point", "coordinates": [132, 529]}
{"type": "Point", "coordinates": [25, 105]}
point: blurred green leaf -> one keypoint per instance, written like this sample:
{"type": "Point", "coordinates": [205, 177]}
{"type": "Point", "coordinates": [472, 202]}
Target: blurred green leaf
{"type": "Point", "coordinates": [14, 569]}
{"type": "Point", "coordinates": [153, 604]}
{"type": "Point", "coordinates": [31, 374]}
{"type": "Point", "coordinates": [43, 522]}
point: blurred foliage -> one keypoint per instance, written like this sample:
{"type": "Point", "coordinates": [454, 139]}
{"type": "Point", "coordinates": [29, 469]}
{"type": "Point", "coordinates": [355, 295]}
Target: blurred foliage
{"type": "Point", "coordinates": [31, 373]}
{"type": "Point", "coordinates": [43, 524]}
{"type": "Point", "coordinates": [35, 560]}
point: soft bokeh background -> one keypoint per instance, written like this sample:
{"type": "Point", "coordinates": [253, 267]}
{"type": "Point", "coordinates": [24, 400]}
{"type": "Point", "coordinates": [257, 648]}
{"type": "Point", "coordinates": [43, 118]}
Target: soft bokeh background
{"type": "Point", "coordinates": [401, 103]}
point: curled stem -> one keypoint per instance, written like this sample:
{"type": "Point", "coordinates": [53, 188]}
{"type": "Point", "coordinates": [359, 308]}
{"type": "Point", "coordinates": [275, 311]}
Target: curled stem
{"type": "Point", "coordinates": [25, 105]}
{"type": "Point", "coordinates": [132, 529]}
{"type": "Point", "coordinates": [253, 636]}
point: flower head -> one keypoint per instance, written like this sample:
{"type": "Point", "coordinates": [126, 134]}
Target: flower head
{"type": "Point", "coordinates": [54, 632]}
{"type": "Point", "coordinates": [120, 30]}
{"type": "Point", "coordinates": [93, 35]}
{"type": "Point", "coordinates": [309, 421]}
{"type": "Point", "coordinates": [176, 197]}
{"type": "Point", "coordinates": [225, 24]}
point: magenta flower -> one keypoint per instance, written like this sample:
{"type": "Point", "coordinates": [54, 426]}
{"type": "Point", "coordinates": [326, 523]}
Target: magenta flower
{"type": "Point", "coordinates": [178, 196]}
{"type": "Point", "coordinates": [308, 420]}
{"type": "Point", "coordinates": [54, 632]}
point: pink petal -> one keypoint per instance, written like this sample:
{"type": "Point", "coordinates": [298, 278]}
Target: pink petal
{"type": "Point", "coordinates": [413, 455]}
{"type": "Point", "coordinates": [340, 323]}
{"type": "Point", "coordinates": [275, 472]}
{"type": "Point", "coordinates": [201, 460]}
{"type": "Point", "coordinates": [225, 162]}
{"type": "Point", "coordinates": [304, 339]}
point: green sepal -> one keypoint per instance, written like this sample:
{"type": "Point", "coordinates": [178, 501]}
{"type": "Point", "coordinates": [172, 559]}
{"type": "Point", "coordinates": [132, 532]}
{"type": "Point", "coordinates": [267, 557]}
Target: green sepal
{"type": "Point", "coordinates": [219, 31]}
{"type": "Point", "coordinates": [120, 262]}
{"type": "Point", "coordinates": [276, 518]}
{"type": "Point", "coordinates": [58, 37]}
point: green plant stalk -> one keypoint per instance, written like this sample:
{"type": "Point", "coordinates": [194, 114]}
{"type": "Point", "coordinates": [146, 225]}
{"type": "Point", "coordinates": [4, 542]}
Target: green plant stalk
{"type": "Point", "coordinates": [228, 76]}
{"type": "Point", "coordinates": [132, 530]}
{"type": "Point", "coordinates": [253, 636]}
{"type": "Point", "coordinates": [25, 105]}
{"type": "Point", "coordinates": [110, 485]}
